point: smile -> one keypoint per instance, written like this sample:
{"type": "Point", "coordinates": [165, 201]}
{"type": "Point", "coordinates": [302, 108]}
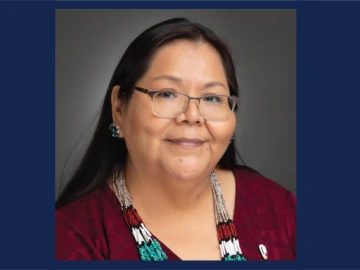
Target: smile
{"type": "Point", "coordinates": [186, 142]}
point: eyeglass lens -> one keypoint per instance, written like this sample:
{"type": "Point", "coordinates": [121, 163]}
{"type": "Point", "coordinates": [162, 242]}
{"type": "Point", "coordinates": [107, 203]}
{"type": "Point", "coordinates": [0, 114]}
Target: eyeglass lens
{"type": "Point", "coordinates": [169, 104]}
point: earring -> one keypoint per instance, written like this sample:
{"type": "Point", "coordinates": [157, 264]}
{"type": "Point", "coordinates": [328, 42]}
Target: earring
{"type": "Point", "coordinates": [114, 130]}
{"type": "Point", "coordinates": [231, 139]}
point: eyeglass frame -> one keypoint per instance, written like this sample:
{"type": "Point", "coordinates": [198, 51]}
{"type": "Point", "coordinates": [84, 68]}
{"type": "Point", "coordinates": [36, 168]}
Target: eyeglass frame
{"type": "Point", "coordinates": [151, 93]}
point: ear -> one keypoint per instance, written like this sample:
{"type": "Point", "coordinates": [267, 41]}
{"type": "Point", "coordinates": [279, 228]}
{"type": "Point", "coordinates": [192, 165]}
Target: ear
{"type": "Point", "coordinates": [117, 108]}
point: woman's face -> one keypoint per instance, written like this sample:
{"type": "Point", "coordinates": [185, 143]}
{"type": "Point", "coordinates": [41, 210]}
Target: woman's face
{"type": "Point", "coordinates": [167, 146]}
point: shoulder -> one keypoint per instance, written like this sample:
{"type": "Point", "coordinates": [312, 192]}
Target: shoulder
{"type": "Point", "coordinates": [93, 213]}
{"type": "Point", "coordinates": [257, 189]}
{"type": "Point", "coordinates": [254, 180]}
{"type": "Point", "coordinates": [265, 214]}
{"type": "Point", "coordinates": [82, 227]}
{"type": "Point", "coordinates": [91, 206]}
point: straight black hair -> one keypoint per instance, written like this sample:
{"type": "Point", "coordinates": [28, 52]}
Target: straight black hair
{"type": "Point", "coordinates": [104, 151]}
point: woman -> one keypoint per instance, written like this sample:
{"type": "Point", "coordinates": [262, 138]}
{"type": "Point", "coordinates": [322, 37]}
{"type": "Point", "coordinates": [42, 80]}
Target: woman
{"type": "Point", "coordinates": [159, 180]}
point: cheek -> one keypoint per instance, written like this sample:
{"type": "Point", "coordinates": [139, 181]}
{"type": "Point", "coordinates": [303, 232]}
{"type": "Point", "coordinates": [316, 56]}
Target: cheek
{"type": "Point", "coordinates": [222, 132]}
{"type": "Point", "coordinates": [143, 130]}
{"type": "Point", "coordinates": [139, 138]}
{"type": "Point", "coordinates": [136, 118]}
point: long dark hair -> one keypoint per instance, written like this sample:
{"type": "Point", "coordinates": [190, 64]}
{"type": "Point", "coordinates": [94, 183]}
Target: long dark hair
{"type": "Point", "coordinates": [104, 151]}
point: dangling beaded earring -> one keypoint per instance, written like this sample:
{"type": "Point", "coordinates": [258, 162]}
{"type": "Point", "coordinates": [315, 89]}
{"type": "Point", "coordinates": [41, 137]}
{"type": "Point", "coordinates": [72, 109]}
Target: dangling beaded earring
{"type": "Point", "coordinates": [114, 130]}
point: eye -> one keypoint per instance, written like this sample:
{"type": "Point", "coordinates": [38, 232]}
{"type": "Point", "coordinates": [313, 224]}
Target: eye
{"type": "Point", "coordinates": [166, 94]}
{"type": "Point", "coordinates": [212, 99]}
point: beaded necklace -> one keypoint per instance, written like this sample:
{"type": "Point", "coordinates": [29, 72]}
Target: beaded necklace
{"type": "Point", "coordinates": [150, 249]}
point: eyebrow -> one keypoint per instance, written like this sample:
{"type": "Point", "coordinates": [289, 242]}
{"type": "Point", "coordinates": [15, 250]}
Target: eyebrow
{"type": "Point", "coordinates": [214, 83]}
{"type": "Point", "coordinates": [179, 80]}
{"type": "Point", "coordinates": [168, 77]}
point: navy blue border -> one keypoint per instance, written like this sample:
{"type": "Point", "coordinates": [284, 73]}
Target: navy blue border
{"type": "Point", "coordinates": [176, 4]}
{"type": "Point", "coordinates": [327, 134]}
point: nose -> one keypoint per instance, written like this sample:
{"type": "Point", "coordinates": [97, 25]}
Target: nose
{"type": "Point", "coordinates": [191, 114]}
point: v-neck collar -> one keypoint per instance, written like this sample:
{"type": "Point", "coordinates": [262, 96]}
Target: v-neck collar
{"type": "Point", "coordinates": [171, 255]}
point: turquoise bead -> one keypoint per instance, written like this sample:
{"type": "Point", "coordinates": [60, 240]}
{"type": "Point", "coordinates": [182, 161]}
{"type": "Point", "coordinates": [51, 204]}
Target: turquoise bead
{"type": "Point", "coordinates": [152, 251]}
{"type": "Point", "coordinates": [238, 257]}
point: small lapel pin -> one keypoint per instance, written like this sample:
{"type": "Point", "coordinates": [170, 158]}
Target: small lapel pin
{"type": "Point", "coordinates": [263, 251]}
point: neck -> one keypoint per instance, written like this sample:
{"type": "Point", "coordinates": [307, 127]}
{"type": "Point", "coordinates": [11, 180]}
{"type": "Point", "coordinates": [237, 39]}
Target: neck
{"type": "Point", "coordinates": [155, 193]}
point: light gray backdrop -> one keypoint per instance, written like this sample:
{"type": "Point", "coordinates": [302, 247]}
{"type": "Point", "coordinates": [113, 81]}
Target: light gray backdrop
{"type": "Point", "coordinates": [89, 44]}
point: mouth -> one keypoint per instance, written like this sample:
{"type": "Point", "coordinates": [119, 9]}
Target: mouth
{"type": "Point", "coordinates": [185, 142]}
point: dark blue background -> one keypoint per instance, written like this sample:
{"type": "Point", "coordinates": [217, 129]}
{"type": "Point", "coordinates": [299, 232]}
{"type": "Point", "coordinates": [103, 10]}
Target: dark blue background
{"type": "Point", "coordinates": [328, 68]}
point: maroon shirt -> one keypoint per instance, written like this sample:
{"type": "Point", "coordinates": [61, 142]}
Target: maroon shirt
{"type": "Point", "coordinates": [93, 228]}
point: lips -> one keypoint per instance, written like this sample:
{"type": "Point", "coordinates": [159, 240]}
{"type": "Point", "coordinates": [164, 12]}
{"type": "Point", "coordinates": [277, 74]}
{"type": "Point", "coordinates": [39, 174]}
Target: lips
{"type": "Point", "coordinates": [186, 142]}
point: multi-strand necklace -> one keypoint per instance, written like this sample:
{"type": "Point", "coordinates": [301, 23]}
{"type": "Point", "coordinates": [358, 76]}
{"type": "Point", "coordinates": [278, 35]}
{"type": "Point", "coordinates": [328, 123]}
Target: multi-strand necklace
{"type": "Point", "coordinates": [150, 249]}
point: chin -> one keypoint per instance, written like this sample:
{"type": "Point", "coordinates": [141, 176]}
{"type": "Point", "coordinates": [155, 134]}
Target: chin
{"type": "Point", "coordinates": [187, 171]}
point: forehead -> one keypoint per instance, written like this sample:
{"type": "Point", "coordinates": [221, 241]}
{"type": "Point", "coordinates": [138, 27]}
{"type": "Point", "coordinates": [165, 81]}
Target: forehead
{"type": "Point", "coordinates": [188, 60]}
